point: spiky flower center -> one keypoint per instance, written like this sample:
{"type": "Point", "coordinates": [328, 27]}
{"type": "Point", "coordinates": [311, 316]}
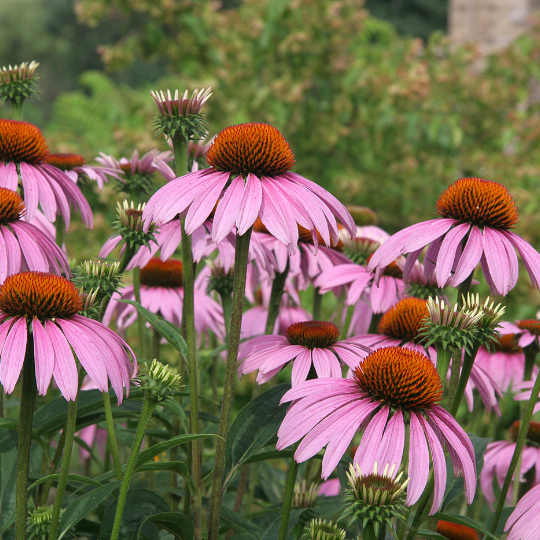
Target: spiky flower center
{"type": "Point", "coordinates": [11, 206]}
{"type": "Point", "coordinates": [533, 433]}
{"type": "Point", "coordinates": [403, 321]}
{"type": "Point", "coordinates": [162, 274]}
{"type": "Point", "coordinates": [480, 202]}
{"type": "Point", "coordinates": [21, 141]}
{"type": "Point", "coordinates": [254, 148]}
{"type": "Point", "coordinates": [377, 489]}
{"type": "Point", "coordinates": [507, 343]}
{"type": "Point", "coordinates": [532, 325]}
{"type": "Point", "coordinates": [454, 531]}
{"type": "Point", "coordinates": [402, 378]}
{"type": "Point", "coordinates": [65, 162]}
{"type": "Point", "coordinates": [313, 334]}
{"type": "Point", "coordinates": [39, 295]}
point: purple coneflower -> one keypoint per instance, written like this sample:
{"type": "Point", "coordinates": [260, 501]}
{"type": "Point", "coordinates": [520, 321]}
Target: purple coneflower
{"type": "Point", "coordinates": [307, 343]}
{"type": "Point", "coordinates": [499, 454]}
{"type": "Point", "coordinates": [401, 326]}
{"type": "Point", "coordinates": [524, 521]}
{"type": "Point", "coordinates": [23, 153]}
{"type": "Point", "coordinates": [393, 389]}
{"type": "Point", "coordinates": [162, 292]}
{"type": "Point", "coordinates": [249, 177]}
{"type": "Point", "coordinates": [48, 305]}
{"type": "Point", "coordinates": [22, 245]}
{"type": "Point", "coordinates": [477, 216]}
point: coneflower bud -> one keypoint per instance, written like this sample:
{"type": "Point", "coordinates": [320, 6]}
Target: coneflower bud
{"type": "Point", "coordinates": [101, 277]}
{"type": "Point", "coordinates": [18, 83]}
{"type": "Point", "coordinates": [219, 280]}
{"type": "Point", "coordinates": [488, 324]}
{"type": "Point", "coordinates": [318, 529]}
{"type": "Point", "coordinates": [375, 499]}
{"type": "Point", "coordinates": [304, 495]}
{"type": "Point", "coordinates": [39, 523]}
{"type": "Point", "coordinates": [159, 381]}
{"type": "Point", "coordinates": [130, 226]}
{"type": "Point", "coordinates": [180, 115]}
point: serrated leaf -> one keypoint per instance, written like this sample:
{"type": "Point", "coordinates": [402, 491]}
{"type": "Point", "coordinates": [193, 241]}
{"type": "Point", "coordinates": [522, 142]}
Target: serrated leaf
{"type": "Point", "coordinates": [165, 329]}
{"type": "Point", "coordinates": [83, 505]}
{"type": "Point", "coordinates": [254, 426]}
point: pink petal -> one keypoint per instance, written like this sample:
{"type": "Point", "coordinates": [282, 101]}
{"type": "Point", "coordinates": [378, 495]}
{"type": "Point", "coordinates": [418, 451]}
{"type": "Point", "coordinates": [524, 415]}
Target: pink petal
{"type": "Point", "coordinates": [13, 354]}
{"type": "Point", "coordinates": [448, 250]}
{"type": "Point", "coordinates": [228, 210]}
{"type": "Point", "coordinates": [301, 367]}
{"type": "Point", "coordinates": [470, 257]}
{"type": "Point", "coordinates": [250, 204]}
{"type": "Point", "coordinates": [418, 461]}
{"type": "Point", "coordinates": [43, 357]}
{"type": "Point", "coordinates": [65, 369]}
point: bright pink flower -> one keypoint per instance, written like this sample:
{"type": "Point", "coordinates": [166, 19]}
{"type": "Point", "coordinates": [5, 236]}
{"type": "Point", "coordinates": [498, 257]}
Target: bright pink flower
{"type": "Point", "coordinates": [499, 454]}
{"type": "Point", "coordinates": [49, 304]}
{"type": "Point", "coordinates": [393, 389]}
{"type": "Point", "coordinates": [524, 521]}
{"type": "Point", "coordinates": [162, 292]}
{"type": "Point", "coordinates": [22, 245]}
{"type": "Point", "coordinates": [23, 154]}
{"type": "Point", "coordinates": [477, 216]}
{"type": "Point", "coordinates": [248, 178]}
{"type": "Point", "coordinates": [307, 343]}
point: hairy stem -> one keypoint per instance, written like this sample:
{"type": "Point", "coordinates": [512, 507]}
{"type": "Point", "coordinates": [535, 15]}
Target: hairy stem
{"type": "Point", "coordinates": [111, 435]}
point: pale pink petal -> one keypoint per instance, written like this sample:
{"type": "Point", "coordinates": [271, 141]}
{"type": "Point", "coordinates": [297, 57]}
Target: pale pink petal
{"type": "Point", "coordinates": [228, 209]}
{"type": "Point", "coordinates": [65, 369]}
{"type": "Point", "coordinates": [9, 177]}
{"type": "Point", "coordinates": [366, 452]}
{"type": "Point", "coordinates": [448, 250]}
{"type": "Point", "coordinates": [43, 357]}
{"type": "Point", "coordinates": [530, 257]}
{"type": "Point", "coordinates": [13, 354]}
{"type": "Point", "coordinates": [301, 367]}
{"type": "Point", "coordinates": [250, 204]}
{"type": "Point", "coordinates": [418, 460]}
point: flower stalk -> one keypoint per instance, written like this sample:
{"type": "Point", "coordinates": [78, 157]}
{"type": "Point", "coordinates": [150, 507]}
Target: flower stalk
{"type": "Point", "coordinates": [111, 435]}
{"type": "Point", "coordinates": [287, 499]}
{"type": "Point", "coordinates": [240, 270]}
{"type": "Point", "coordinates": [278, 286]}
{"type": "Point", "coordinates": [26, 415]}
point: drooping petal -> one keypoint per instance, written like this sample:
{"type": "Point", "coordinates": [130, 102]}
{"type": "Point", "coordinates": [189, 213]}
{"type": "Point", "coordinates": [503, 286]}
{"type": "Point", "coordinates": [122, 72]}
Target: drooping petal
{"type": "Point", "coordinates": [371, 441]}
{"type": "Point", "coordinates": [448, 250]}
{"type": "Point", "coordinates": [13, 354]}
{"type": "Point", "coordinates": [418, 461]}
{"type": "Point", "coordinates": [65, 369]}
{"type": "Point", "coordinates": [43, 357]}
{"type": "Point", "coordinates": [228, 210]}
{"type": "Point", "coordinates": [250, 204]}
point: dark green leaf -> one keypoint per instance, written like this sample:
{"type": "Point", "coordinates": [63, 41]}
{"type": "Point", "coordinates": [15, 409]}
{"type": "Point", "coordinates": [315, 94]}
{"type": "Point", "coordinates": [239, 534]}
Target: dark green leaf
{"type": "Point", "coordinates": [174, 522]}
{"type": "Point", "coordinates": [505, 514]}
{"type": "Point", "coordinates": [167, 330]}
{"type": "Point", "coordinates": [140, 504]}
{"type": "Point", "coordinates": [430, 534]}
{"type": "Point", "coordinates": [270, 454]}
{"type": "Point", "coordinates": [177, 466]}
{"type": "Point", "coordinates": [157, 449]}
{"type": "Point", "coordinates": [254, 426]}
{"type": "Point", "coordinates": [70, 477]}
{"type": "Point", "coordinates": [83, 505]}
{"type": "Point", "coordinates": [463, 520]}
{"type": "Point", "coordinates": [8, 470]}
{"type": "Point", "coordinates": [272, 532]}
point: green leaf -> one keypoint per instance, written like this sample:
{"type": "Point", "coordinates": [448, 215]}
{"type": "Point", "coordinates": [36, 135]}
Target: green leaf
{"type": "Point", "coordinates": [8, 471]}
{"type": "Point", "coordinates": [238, 523]}
{"type": "Point", "coordinates": [70, 477]}
{"type": "Point", "coordinates": [270, 454]}
{"type": "Point", "coordinates": [505, 514]}
{"type": "Point", "coordinates": [430, 534]}
{"type": "Point", "coordinates": [174, 522]}
{"type": "Point", "coordinates": [176, 466]}
{"type": "Point", "coordinates": [272, 532]}
{"type": "Point", "coordinates": [140, 504]}
{"type": "Point", "coordinates": [83, 505]}
{"type": "Point", "coordinates": [456, 486]}
{"type": "Point", "coordinates": [9, 423]}
{"type": "Point", "coordinates": [157, 449]}
{"type": "Point", "coordinates": [254, 426]}
{"type": "Point", "coordinates": [167, 330]}
{"type": "Point", "coordinates": [464, 520]}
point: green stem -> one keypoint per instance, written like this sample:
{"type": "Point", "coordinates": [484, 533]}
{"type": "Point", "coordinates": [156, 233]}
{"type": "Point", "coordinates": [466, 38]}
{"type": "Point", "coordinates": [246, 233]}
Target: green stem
{"type": "Point", "coordinates": [226, 303]}
{"type": "Point", "coordinates": [287, 499]}
{"type": "Point", "coordinates": [148, 406]}
{"type": "Point", "coordinates": [520, 443]}
{"type": "Point", "coordinates": [317, 304]}
{"type": "Point", "coordinates": [156, 344]}
{"type": "Point", "coordinates": [240, 270]}
{"type": "Point", "coordinates": [140, 320]}
{"type": "Point", "coordinates": [60, 230]}
{"type": "Point", "coordinates": [111, 435]}
{"type": "Point", "coordinates": [463, 380]}
{"type": "Point", "coordinates": [443, 362]}
{"type": "Point", "coordinates": [64, 469]}
{"type": "Point", "coordinates": [347, 323]}
{"type": "Point", "coordinates": [278, 286]}
{"type": "Point", "coordinates": [26, 415]}
{"type": "Point", "coordinates": [421, 508]}
{"type": "Point", "coordinates": [530, 357]}
{"type": "Point", "coordinates": [52, 468]}
{"type": "Point", "coordinates": [17, 110]}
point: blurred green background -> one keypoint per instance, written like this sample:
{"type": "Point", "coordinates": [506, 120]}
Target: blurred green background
{"type": "Point", "coordinates": [375, 102]}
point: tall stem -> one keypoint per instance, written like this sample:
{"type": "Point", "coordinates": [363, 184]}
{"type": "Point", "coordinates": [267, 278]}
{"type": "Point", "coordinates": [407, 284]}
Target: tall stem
{"type": "Point", "coordinates": [317, 304]}
{"type": "Point", "coordinates": [64, 469]}
{"type": "Point", "coordinates": [287, 499]}
{"type": "Point", "coordinates": [180, 145]}
{"type": "Point", "coordinates": [240, 269]}
{"type": "Point", "coordinates": [111, 435]}
{"type": "Point", "coordinates": [463, 288]}
{"type": "Point", "coordinates": [60, 230]}
{"type": "Point", "coordinates": [520, 443]}
{"type": "Point", "coordinates": [140, 320]}
{"type": "Point", "coordinates": [463, 380]}
{"type": "Point", "coordinates": [146, 413]}
{"type": "Point", "coordinates": [278, 286]}
{"type": "Point", "coordinates": [26, 415]}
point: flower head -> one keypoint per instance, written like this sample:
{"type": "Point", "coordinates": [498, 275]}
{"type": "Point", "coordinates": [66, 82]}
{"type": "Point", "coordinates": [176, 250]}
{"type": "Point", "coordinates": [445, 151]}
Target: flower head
{"type": "Point", "coordinates": [22, 245]}
{"type": "Point", "coordinates": [101, 277]}
{"type": "Point", "coordinates": [374, 498]}
{"type": "Point", "coordinates": [23, 153]}
{"type": "Point", "coordinates": [249, 177]}
{"type": "Point", "coordinates": [159, 381]}
{"type": "Point", "coordinates": [393, 389]}
{"type": "Point", "coordinates": [318, 529]}
{"type": "Point", "coordinates": [18, 83]}
{"type": "Point", "coordinates": [306, 343]}
{"type": "Point", "coordinates": [476, 218]}
{"type": "Point", "coordinates": [49, 306]}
